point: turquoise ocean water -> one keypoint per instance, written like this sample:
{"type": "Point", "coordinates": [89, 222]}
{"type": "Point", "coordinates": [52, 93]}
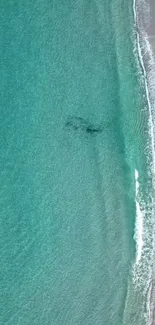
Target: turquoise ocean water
{"type": "Point", "coordinates": [74, 127]}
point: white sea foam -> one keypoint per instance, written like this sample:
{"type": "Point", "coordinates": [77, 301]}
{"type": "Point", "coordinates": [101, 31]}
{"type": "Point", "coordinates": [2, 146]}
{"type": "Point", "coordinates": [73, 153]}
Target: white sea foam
{"type": "Point", "coordinates": [139, 222]}
{"type": "Point", "coordinates": [143, 269]}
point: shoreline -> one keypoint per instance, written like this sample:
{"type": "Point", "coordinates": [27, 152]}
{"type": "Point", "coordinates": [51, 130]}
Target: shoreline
{"type": "Point", "coordinates": [145, 48]}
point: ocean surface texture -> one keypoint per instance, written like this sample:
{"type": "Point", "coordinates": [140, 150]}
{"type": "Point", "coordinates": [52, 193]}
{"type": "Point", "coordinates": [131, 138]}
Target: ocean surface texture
{"type": "Point", "coordinates": [76, 233]}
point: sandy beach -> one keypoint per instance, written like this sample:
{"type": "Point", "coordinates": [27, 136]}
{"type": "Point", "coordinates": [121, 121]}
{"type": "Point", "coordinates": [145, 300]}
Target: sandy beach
{"type": "Point", "coordinates": [151, 29]}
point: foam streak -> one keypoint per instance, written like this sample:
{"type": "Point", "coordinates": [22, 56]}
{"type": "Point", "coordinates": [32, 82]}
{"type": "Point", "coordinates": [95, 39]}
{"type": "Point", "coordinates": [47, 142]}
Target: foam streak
{"type": "Point", "coordinates": [144, 234]}
{"type": "Point", "coordinates": [139, 223]}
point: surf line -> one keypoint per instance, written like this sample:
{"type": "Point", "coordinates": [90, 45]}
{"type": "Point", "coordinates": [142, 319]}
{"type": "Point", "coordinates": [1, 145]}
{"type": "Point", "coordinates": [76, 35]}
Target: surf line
{"type": "Point", "coordinates": [151, 132]}
{"type": "Point", "coordinates": [138, 236]}
{"type": "Point", "coordinates": [140, 55]}
{"type": "Point", "coordinates": [144, 272]}
{"type": "Point", "coordinates": [139, 228]}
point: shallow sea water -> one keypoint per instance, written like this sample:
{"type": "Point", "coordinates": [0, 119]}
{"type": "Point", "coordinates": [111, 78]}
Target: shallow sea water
{"type": "Point", "coordinates": [73, 131]}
